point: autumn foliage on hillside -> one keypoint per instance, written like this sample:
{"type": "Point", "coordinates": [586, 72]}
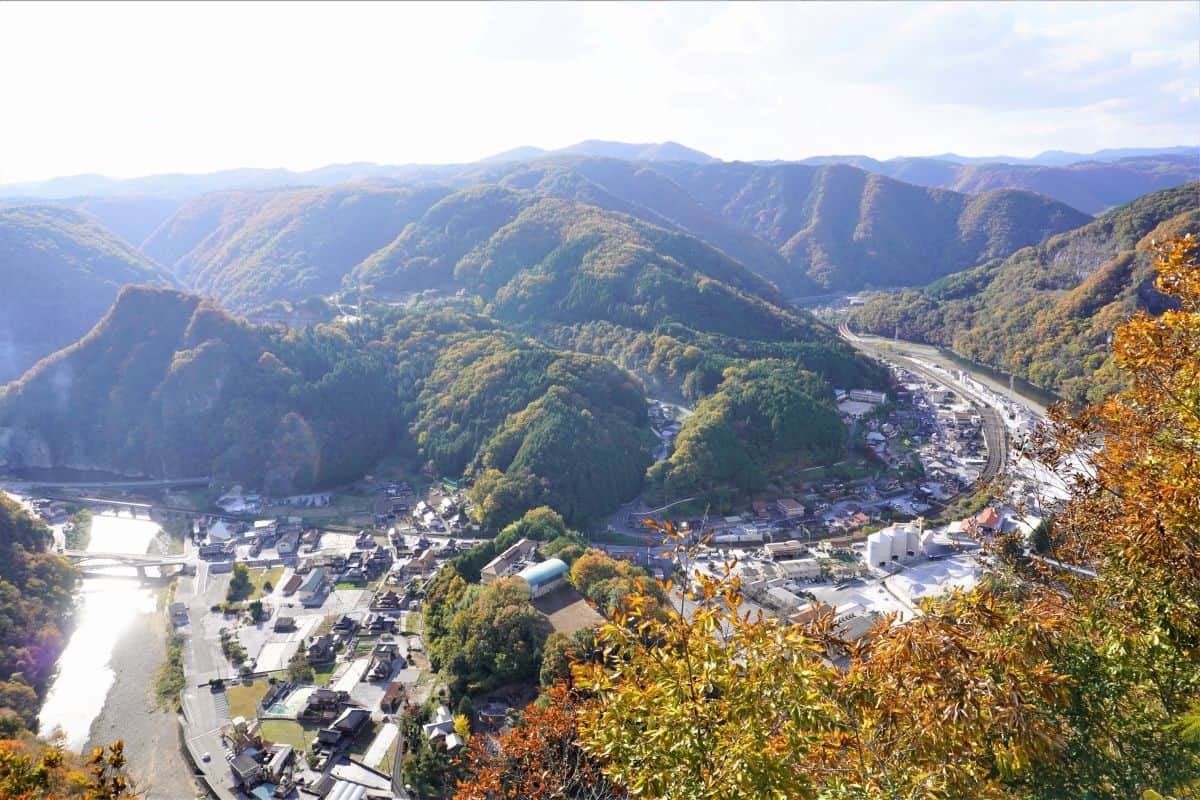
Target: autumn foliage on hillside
{"type": "Point", "coordinates": [539, 759]}
{"type": "Point", "coordinates": [34, 770]}
{"type": "Point", "coordinates": [1039, 683]}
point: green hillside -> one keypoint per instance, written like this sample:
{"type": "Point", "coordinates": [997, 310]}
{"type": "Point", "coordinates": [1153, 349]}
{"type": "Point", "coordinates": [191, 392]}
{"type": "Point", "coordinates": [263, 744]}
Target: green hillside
{"type": "Point", "coordinates": [424, 255]}
{"type": "Point", "coordinates": [62, 271]}
{"type": "Point", "coordinates": [198, 229]}
{"type": "Point", "coordinates": [539, 258]}
{"type": "Point", "coordinates": [246, 249]}
{"type": "Point", "coordinates": [806, 229]}
{"type": "Point", "coordinates": [1045, 313]}
{"type": "Point", "coordinates": [644, 192]}
{"type": "Point", "coordinates": [662, 304]}
{"type": "Point", "coordinates": [842, 229]}
{"type": "Point", "coordinates": [766, 416]}
{"type": "Point", "coordinates": [169, 385]}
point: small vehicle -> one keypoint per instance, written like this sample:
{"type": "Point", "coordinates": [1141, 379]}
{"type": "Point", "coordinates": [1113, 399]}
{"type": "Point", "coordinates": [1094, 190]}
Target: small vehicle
{"type": "Point", "coordinates": [206, 758]}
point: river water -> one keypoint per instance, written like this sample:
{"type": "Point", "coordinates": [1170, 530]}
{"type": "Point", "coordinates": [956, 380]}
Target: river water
{"type": "Point", "coordinates": [107, 608]}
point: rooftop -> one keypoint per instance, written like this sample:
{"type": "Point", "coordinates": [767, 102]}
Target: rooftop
{"type": "Point", "coordinates": [543, 572]}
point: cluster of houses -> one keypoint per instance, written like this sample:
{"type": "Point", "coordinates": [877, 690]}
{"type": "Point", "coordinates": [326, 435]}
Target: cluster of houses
{"type": "Point", "coordinates": [256, 765]}
{"type": "Point", "coordinates": [665, 426]}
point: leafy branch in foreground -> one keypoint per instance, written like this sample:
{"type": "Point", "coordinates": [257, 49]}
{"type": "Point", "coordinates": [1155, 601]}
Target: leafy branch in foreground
{"type": "Point", "coordinates": [712, 702]}
{"type": "Point", "coordinates": [1035, 684]}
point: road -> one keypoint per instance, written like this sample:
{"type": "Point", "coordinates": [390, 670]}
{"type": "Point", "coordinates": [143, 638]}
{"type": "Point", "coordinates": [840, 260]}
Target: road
{"type": "Point", "coordinates": [995, 433]}
{"type": "Point", "coordinates": [204, 710]}
{"type": "Point", "coordinates": [143, 484]}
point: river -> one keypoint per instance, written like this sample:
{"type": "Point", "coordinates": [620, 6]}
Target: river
{"type": "Point", "coordinates": [108, 608]}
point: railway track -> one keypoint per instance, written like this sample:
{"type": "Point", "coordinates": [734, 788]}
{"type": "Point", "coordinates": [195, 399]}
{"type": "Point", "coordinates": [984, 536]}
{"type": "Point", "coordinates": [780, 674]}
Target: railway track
{"type": "Point", "coordinates": [995, 433]}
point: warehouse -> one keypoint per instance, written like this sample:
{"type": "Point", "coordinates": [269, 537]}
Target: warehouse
{"type": "Point", "coordinates": [544, 577]}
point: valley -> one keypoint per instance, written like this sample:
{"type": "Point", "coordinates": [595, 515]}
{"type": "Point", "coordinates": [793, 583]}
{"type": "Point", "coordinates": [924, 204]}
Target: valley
{"type": "Point", "coordinates": [422, 444]}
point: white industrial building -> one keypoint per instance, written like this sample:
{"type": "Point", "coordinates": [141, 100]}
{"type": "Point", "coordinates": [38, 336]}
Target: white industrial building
{"type": "Point", "coordinates": [898, 542]}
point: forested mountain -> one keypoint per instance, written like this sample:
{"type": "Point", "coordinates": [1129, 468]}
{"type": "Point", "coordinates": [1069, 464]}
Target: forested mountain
{"type": "Point", "coordinates": [659, 302]}
{"type": "Point", "coordinates": [169, 385]}
{"type": "Point", "coordinates": [1045, 313]}
{"type": "Point", "coordinates": [248, 249]}
{"type": "Point", "coordinates": [35, 601]}
{"type": "Point", "coordinates": [61, 271]}
{"type": "Point", "coordinates": [764, 417]}
{"type": "Point", "coordinates": [651, 196]}
{"type": "Point", "coordinates": [842, 228]}
{"type": "Point", "coordinates": [807, 229]}
{"type": "Point", "coordinates": [1090, 186]}
{"type": "Point", "coordinates": [539, 257]}
{"type": "Point", "coordinates": [131, 217]}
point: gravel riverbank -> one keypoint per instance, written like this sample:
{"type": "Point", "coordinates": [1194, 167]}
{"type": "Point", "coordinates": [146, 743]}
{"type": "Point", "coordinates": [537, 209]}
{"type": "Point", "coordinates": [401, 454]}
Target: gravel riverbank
{"type": "Point", "coordinates": [131, 713]}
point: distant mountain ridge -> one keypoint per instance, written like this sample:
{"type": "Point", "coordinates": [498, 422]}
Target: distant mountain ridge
{"type": "Point", "coordinates": [1093, 185]}
{"type": "Point", "coordinates": [61, 271]}
{"type": "Point", "coordinates": [179, 185]}
{"type": "Point", "coordinates": [807, 230]}
{"type": "Point", "coordinates": [841, 228]}
{"type": "Point", "coordinates": [1060, 158]}
{"type": "Point", "coordinates": [248, 249]}
{"type": "Point", "coordinates": [660, 151]}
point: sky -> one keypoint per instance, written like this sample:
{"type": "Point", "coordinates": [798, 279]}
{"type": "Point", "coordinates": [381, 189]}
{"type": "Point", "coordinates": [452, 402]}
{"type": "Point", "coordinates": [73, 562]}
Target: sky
{"type": "Point", "coordinates": [128, 89]}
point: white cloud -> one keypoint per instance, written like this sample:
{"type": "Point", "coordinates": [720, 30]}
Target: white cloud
{"type": "Point", "coordinates": [137, 88]}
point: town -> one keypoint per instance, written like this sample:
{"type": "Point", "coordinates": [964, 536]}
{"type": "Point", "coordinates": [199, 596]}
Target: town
{"type": "Point", "coordinates": [302, 646]}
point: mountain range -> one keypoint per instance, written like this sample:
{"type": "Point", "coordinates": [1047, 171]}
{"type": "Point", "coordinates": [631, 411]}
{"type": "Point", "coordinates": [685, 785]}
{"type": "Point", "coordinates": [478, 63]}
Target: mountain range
{"type": "Point", "coordinates": [808, 230]}
{"type": "Point", "coordinates": [1090, 182]}
{"type": "Point", "coordinates": [1045, 313]}
{"type": "Point", "coordinates": [561, 234]}
{"type": "Point", "coordinates": [517, 306]}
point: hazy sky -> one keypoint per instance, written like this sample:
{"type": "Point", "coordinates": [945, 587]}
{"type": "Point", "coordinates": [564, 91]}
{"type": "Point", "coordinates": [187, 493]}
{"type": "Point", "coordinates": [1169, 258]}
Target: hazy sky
{"type": "Point", "coordinates": [138, 88]}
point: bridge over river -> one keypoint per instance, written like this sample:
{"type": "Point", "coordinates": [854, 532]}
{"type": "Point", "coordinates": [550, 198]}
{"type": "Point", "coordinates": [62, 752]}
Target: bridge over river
{"type": "Point", "coordinates": [101, 563]}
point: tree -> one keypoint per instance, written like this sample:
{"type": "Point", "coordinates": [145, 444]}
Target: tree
{"type": "Point", "coordinates": [539, 758]}
{"type": "Point", "coordinates": [1038, 683]}
{"type": "Point", "coordinates": [1133, 518]}
{"type": "Point", "coordinates": [299, 670]}
{"type": "Point", "coordinates": [607, 582]}
{"type": "Point", "coordinates": [34, 770]}
{"type": "Point", "coordinates": [556, 663]}
{"type": "Point", "coordinates": [240, 586]}
{"type": "Point", "coordinates": [19, 698]}
{"type": "Point", "coordinates": [483, 637]}
{"type": "Point", "coordinates": [716, 704]}
{"type": "Point", "coordinates": [462, 725]}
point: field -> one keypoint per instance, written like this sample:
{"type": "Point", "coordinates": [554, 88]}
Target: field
{"type": "Point", "coordinates": [243, 699]}
{"type": "Point", "coordinates": [283, 731]}
{"type": "Point", "coordinates": [259, 578]}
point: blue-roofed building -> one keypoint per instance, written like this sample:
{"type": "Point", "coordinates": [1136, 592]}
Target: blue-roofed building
{"type": "Point", "coordinates": [545, 576]}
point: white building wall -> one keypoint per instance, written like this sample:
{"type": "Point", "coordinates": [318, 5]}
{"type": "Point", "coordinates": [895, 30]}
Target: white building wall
{"type": "Point", "coordinates": [879, 548]}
